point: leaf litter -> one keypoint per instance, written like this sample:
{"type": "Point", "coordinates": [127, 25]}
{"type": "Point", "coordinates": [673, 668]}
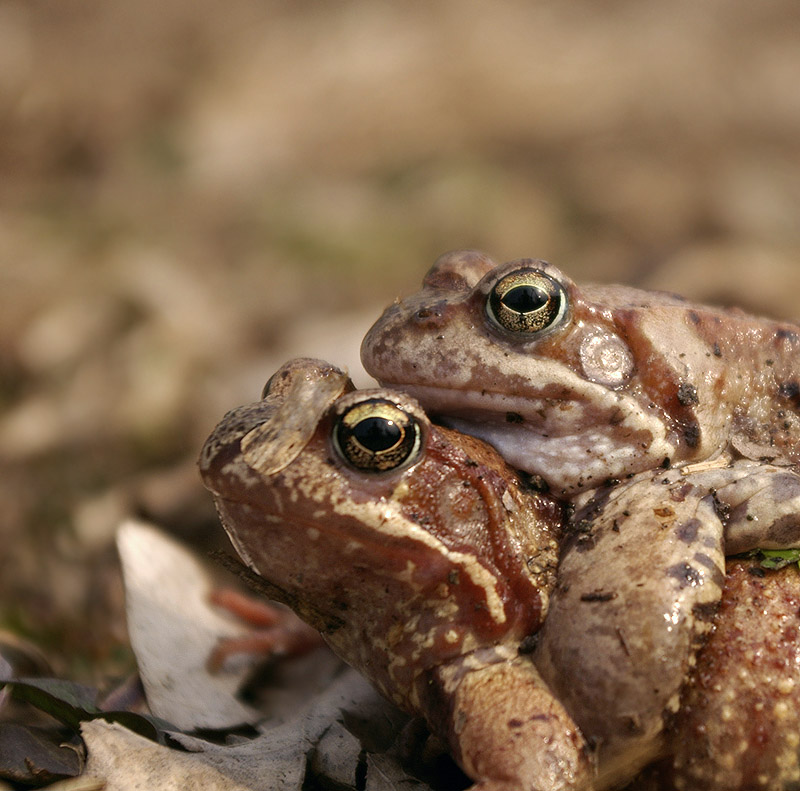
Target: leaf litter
{"type": "Point", "coordinates": [328, 727]}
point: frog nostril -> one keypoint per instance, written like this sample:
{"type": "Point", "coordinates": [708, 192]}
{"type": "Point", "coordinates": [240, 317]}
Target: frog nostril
{"type": "Point", "coordinates": [429, 317]}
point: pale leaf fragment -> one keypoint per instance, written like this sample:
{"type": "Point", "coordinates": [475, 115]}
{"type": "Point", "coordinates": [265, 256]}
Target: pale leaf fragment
{"type": "Point", "coordinates": [173, 629]}
{"type": "Point", "coordinates": [128, 762]}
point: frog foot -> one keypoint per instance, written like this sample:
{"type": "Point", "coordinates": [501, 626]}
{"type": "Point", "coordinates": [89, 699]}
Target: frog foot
{"type": "Point", "coordinates": [277, 631]}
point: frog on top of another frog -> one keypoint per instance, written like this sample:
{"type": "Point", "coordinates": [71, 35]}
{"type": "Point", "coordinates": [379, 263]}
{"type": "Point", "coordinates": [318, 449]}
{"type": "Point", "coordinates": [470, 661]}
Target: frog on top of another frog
{"type": "Point", "coordinates": [585, 385]}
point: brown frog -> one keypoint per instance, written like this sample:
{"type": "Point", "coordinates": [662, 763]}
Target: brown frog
{"type": "Point", "coordinates": [429, 566]}
{"type": "Point", "coordinates": [580, 385]}
{"type": "Point", "coordinates": [418, 553]}
{"type": "Point", "coordinates": [732, 720]}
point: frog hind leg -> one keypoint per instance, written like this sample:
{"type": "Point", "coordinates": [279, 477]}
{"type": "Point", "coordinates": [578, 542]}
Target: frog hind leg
{"type": "Point", "coordinates": [739, 726]}
{"type": "Point", "coordinates": [277, 630]}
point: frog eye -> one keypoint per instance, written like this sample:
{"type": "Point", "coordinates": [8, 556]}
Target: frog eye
{"type": "Point", "coordinates": [527, 301]}
{"type": "Point", "coordinates": [377, 436]}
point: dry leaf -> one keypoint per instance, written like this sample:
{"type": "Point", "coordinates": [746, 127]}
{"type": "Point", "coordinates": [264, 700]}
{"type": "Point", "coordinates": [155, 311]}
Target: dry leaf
{"type": "Point", "coordinates": [173, 630]}
{"type": "Point", "coordinates": [127, 762]}
{"type": "Point", "coordinates": [33, 756]}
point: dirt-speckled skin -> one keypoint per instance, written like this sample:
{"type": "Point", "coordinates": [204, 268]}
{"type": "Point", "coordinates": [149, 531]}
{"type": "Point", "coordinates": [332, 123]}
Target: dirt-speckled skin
{"type": "Point", "coordinates": [426, 578]}
{"type": "Point", "coordinates": [432, 578]}
{"type": "Point", "coordinates": [739, 724]}
{"type": "Point", "coordinates": [629, 379]}
{"type": "Point", "coordinates": [632, 605]}
{"type": "Point", "coordinates": [626, 381]}
{"type": "Point", "coordinates": [738, 728]}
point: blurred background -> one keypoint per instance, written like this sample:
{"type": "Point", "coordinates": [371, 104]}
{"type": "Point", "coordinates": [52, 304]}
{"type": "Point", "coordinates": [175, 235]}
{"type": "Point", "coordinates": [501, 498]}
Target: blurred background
{"type": "Point", "coordinates": [193, 192]}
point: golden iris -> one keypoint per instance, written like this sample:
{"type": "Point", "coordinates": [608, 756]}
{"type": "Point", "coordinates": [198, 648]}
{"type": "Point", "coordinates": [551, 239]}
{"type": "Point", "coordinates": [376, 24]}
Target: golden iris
{"type": "Point", "coordinates": [377, 436]}
{"type": "Point", "coordinates": [527, 301]}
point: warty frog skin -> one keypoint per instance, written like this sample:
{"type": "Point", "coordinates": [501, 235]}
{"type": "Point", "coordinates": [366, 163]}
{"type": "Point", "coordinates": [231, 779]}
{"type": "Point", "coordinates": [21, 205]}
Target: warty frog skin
{"type": "Point", "coordinates": [582, 385]}
{"type": "Point", "coordinates": [430, 565]}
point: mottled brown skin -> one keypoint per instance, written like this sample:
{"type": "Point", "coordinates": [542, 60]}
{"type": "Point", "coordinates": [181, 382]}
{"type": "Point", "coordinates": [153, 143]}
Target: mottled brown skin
{"type": "Point", "coordinates": [738, 728]}
{"type": "Point", "coordinates": [426, 578]}
{"type": "Point", "coordinates": [660, 657]}
{"type": "Point", "coordinates": [633, 603]}
{"type": "Point", "coordinates": [509, 727]}
{"type": "Point", "coordinates": [431, 577]}
{"type": "Point", "coordinates": [627, 380]}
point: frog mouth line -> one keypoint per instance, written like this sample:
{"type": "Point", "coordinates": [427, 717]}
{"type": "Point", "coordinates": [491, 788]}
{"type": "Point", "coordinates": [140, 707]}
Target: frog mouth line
{"type": "Point", "coordinates": [487, 407]}
{"type": "Point", "coordinates": [571, 443]}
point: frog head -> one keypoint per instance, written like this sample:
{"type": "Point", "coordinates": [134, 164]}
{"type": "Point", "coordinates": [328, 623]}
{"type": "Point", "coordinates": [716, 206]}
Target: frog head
{"type": "Point", "coordinates": [416, 543]}
{"type": "Point", "coordinates": [577, 385]}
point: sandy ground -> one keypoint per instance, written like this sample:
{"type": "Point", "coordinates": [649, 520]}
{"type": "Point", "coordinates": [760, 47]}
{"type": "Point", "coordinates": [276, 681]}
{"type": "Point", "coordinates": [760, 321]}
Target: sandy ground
{"type": "Point", "coordinates": [191, 193]}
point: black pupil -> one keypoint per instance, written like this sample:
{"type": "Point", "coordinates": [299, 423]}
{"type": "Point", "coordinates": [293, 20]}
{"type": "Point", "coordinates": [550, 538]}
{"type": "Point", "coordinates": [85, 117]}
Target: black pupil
{"type": "Point", "coordinates": [525, 299]}
{"type": "Point", "coordinates": [377, 433]}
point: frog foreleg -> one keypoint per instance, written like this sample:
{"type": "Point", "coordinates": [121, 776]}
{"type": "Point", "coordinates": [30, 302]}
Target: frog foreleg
{"type": "Point", "coordinates": [640, 577]}
{"type": "Point", "coordinates": [759, 504]}
{"type": "Point", "coordinates": [505, 727]}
